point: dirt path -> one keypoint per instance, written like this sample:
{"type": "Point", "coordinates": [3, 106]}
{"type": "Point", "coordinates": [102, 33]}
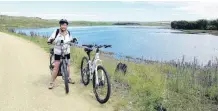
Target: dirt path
{"type": "Point", "coordinates": [24, 77]}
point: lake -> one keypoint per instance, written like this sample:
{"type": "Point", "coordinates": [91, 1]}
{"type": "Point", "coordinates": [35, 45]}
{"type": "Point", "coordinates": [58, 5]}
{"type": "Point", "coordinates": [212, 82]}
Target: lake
{"type": "Point", "coordinates": [149, 42]}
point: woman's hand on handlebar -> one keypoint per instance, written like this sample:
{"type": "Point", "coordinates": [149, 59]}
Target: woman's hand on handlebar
{"type": "Point", "coordinates": [50, 41]}
{"type": "Point", "coordinates": [75, 40]}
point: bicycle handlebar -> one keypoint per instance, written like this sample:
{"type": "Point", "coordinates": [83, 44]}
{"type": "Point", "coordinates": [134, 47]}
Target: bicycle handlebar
{"type": "Point", "coordinates": [96, 46]}
{"type": "Point", "coordinates": [89, 46]}
{"type": "Point", "coordinates": [62, 42]}
{"type": "Point", "coordinates": [106, 46]}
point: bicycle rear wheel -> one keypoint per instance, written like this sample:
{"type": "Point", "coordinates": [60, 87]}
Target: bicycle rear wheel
{"type": "Point", "coordinates": [104, 82]}
{"type": "Point", "coordinates": [66, 76]}
{"type": "Point", "coordinates": [85, 71]}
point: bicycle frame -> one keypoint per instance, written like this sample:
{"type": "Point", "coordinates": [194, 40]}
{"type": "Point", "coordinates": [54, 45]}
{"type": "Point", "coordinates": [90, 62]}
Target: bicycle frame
{"type": "Point", "coordinates": [63, 52]}
{"type": "Point", "coordinates": [93, 67]}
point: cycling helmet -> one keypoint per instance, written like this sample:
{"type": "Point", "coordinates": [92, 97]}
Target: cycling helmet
{"type": "Point", "coordinates": [62, 21]}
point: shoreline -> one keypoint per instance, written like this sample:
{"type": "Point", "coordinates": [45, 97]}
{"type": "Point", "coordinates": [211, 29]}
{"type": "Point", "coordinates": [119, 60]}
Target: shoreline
{"type": "Point", "coordinates": [128, 58]}
{"type": "Point", "coordinates": [211, 32]}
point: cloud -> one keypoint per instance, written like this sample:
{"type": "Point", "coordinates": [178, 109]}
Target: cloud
{"type": "Point", "coordinates": [17, 14]}
{"type": "Point", "coordinates": [73, 16]}
{"type": "Point", "coordinates": [10, 13]}
{"type": "Point", "coordinates": [128, 1]}
{"type": "Point", "coordinates": [66, 15]}
{"type": "Point", "coordinates": [206, 10]}
{"type": "Point", "coordinates": [139, 9]}
{"type": "Point", "coordinates": [128, 11]}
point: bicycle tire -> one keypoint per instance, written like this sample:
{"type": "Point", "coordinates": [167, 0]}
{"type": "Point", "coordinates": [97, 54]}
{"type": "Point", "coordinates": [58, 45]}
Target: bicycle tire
{"type": "Point", "coordinates": [51, 67]}
{"type": "Point", "coordinates": [66, 76]}
{"type": "Point", "coordinates": [82, 74]}
{"type": "Point", "coordinates": [102, 101]}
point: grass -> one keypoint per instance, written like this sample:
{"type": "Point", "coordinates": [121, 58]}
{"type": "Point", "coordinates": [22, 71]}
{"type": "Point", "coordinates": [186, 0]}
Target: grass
{"type": "Point", "coordinates": [176, 86]}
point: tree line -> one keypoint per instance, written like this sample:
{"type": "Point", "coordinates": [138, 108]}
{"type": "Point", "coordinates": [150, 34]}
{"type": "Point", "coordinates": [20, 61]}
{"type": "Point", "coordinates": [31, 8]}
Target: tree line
{"type": "Point", "coordinates": [201, 24]}
{"type": "Point", "coordinates": [126, 23]}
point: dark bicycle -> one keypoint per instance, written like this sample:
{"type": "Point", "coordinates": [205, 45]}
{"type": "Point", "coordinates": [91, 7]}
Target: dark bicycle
{"type": "Point", "coordinates": [63, 62]}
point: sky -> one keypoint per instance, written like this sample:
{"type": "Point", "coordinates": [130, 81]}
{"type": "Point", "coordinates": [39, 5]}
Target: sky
{"type": "Point", "coordinates": [112, 11]}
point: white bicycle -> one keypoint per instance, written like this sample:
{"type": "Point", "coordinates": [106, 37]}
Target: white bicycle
{"type": "Point", "coordinates": [93, 70]}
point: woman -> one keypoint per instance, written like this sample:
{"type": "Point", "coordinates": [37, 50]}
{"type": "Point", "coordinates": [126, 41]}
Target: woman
{"type": "Point", "coordinates": [57, 36]}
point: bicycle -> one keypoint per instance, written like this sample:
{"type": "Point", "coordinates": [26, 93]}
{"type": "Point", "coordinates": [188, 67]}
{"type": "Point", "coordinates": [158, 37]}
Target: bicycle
{"type": "Point", "coordinates": [93, 70]}
{"type": "Point", "coordinates": [63, 63]}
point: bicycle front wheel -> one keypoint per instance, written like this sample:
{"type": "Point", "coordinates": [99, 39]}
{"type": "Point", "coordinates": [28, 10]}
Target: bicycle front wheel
{"type": "Point", "coordinates": [102, 89]}
{"type": "Point", "coordinates": [51, 63]}
{"type": "Point", "coordinates": [66, 76]}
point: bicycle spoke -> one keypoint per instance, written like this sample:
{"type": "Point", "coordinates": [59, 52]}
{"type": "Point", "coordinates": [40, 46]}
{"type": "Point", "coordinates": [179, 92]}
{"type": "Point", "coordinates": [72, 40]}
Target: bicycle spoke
{"type": "Point", "coordinates": [85, 74]}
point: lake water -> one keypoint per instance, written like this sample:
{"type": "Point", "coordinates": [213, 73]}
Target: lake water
{"type": "Point", "coordinates": [153, 43]}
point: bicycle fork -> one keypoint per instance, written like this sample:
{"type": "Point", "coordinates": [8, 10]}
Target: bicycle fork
{"type": "Point", "coordinates": [93, 70]}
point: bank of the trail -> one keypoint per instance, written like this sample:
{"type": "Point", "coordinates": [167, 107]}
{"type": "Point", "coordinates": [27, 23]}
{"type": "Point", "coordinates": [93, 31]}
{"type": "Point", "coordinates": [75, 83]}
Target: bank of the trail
{"type": "Point", "coordinates": [24, 77]}
{"type": "Point", "coordinates": [212, 32]}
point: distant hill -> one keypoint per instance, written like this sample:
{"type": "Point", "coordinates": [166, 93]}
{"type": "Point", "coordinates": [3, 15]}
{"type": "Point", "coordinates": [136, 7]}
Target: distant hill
{"type": "Point", "coordinates": [126, 23]}
{"type": "Point", "coordinates": [143, 23]}
{"type": "Point", "coordinates": [7, 22]}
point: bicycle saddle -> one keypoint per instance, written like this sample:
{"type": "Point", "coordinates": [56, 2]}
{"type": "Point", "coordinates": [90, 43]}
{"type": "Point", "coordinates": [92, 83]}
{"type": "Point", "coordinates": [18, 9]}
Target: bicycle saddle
{"type": "Point", "coordinates": [88, 49]}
